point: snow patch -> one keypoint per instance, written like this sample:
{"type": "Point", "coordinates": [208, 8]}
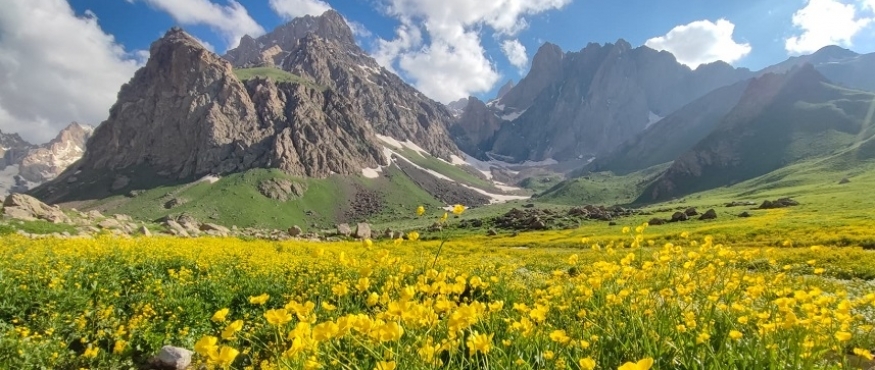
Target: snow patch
{"type": "Point", "coordinates": [210, 179]}
{"type": "Point", "coordinates": [651, 119]}
{"type": "Point", "coordinates": [513, 116]}
{"type": "Point", "coordinates": [372, 173]}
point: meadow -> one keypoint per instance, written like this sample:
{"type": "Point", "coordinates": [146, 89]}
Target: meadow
{"type": "Point", "coordinates": [629, 300]}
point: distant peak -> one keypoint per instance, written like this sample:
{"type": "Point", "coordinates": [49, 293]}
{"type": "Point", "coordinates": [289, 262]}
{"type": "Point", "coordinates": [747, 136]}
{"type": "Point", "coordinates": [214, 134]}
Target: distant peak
{"type": "Point", "coordinates": [834, 52]}
{"type": "Point", "coordinates": [623, 44]}
{"type": "Point", "coordinates": [176, 35]}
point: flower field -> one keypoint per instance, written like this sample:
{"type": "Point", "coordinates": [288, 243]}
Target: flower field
{"type": "Point", "coordinates": [112, 303]}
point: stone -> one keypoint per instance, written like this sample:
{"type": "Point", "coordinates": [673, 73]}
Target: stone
{"type": "Point", "coordinates": [221, 230]}
{"type": "Point", "coordinates": [174, 202]}
{"type": "Point", "coordinates": [173, 358]}
{"type": "Point", "coordinates": [27, 208]}
{"type": "Point", "coordinates": [363, 230]}
{"type": "Point", "coordinates": [656, 221]}
{"type": "Point", "coordinates": [779, 203]}
{"type": "Point", "coordinates": [491, 232]}
{"type": "Point", "coordinates": [176, 228]}
{"type": "Point", "coordinates": [122, 217]}
{"type": "Point", "coordinates": [710, 214]}
{"type": "Point", "coordinates": [94, 214]}
{"type": "Point", "coordinates": [690, 212]}
{"type": "Point", "coordinates": [744, 214]}
{"type": "Point", "coordinates": [679, 217]}
{"type": "Point", "coordinates": [844, 180]}
{"type": "Point", "coordinates": [295, 231]}
{"type": "Point", "coordinates": [109, 223]}
{"type": "Point", "coordinates": [145, 231]}
{"type": "Point", "coordinates": [344, 229]}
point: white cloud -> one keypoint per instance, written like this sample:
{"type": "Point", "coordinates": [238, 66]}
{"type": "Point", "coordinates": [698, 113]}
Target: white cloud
{"type": "Point", "coordinates": [452, 63]}
{"type": "Point", "coordinates": [290, 9]}
{"type": "Point", "coordinates": [515, 53]}
{"type": "Point", "coordinates": [701, 42]}
{"type": "Point", "coordinates": [56, 68]}
{"type": "Point", "coordinates": [826, 22]}
{"type": "Point", "coordinates": [232, 21]}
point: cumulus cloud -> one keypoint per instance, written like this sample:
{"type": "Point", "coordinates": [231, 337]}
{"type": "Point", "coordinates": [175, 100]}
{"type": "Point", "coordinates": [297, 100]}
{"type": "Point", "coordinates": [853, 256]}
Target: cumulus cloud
{"type": "Point", "coordinates": [701, 42]}
{"type": "Point", "coordinates": [289, 9]}
{"type": "Point", "coordinates": [56, 68]}
{"type": "Point", "coordinates": [438, 44]}
{"type": "Point", "coordinates": [827, 22]}
{"type": "Point", "coordinates": [515, 53]}
{"type": "Point", "coordinates": [231, 21]}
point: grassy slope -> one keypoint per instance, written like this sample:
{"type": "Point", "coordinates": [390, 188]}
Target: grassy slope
{"type": "Point", "coordinates": [602, 188]}
{"type": "Point", "coordinates": [235, 200]}
{"type": "Point", "coordinates": [457, 173]}
{"type": "Point", "coordinates": [275, 74]}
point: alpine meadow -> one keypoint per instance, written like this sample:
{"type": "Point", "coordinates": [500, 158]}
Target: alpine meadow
{"type": "Point", "coordinates": [415, 184]}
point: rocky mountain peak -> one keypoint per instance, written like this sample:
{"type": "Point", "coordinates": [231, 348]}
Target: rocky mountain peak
{"type": "Point", "coordinates": [505, 89]}
{"type": "Point", "coordinates": [12, 149]}
{"type": "Point", "coordinates": [50, 159]}
{"type": "Point", "coordinates": [268, 49]}
{"type": "Point", "coordinates": [546, 68]}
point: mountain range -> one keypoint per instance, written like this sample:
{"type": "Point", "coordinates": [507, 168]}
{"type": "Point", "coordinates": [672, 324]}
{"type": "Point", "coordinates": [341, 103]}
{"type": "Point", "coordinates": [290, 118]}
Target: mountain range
{"type": "Point", "coordinates": [24, 166]}
{"type": "Point", "coordinates": [305, 121]}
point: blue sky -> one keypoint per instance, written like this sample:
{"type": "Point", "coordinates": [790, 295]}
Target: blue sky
{"type": "Point", "coordinates": [446, 48]}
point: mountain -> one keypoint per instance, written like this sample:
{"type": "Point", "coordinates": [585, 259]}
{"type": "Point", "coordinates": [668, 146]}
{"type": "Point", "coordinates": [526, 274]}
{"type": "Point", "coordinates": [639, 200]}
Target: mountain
{"type": "Point", "coordinates": [505, 89]}
{"type": "Point", "coordinates": [668, 138]}
{"type": "Point", "coordinates": [322, 49]}
{"type": "Point", "coordinates": [25, 166]}
{"type": "Point", "coordinates": [324, 135]}
{"type": "Point", "coordinates": [582, 104]}
{"type": "Point", "coordinates": [12, 149]}
{"type": "Point", "coordinates": [780, 119]}
{"type": "Point", "coordinates": [48, 160]}
{"type": "Point", "coordinates": [473, 129]}
{"type": "Point", "coordinates": [839, 65]}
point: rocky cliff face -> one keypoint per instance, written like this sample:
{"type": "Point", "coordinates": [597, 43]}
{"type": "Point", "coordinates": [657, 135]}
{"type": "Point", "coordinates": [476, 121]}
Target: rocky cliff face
{"type": "Point", "coordinates": [474, 128]}
{"type": "Point", "coordinates": [185, 114]}
{"type": "Point", "coordinates": [24, 166]}
{"type": "Point", "coordinates": [322, 49]}
{"type": "Point", "coordinates": [581, 104]}
{"type": "Point", "coordinates": [49, 160]}
{"type": "Point", "coordinates": [12, 149]}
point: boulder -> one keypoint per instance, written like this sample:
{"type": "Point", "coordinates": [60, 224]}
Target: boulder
{"type": "Point", "coordinates": [679, 217]}
{"type": "Point", "coordinates": [145, 231]}
{"type": "Point", "coordinates": [121, 217]}
{"type": "Point", "coordinates": [740, 204]}
{"type": "Point", "coordinates": [709, 215]}
{"type": "Point", "coordinates": [221, 230]}
{"type": "Point", "coordinates": [295, 231]}
{"type": "Point", "coordinates": [744, 214]}
{"type": "Point", "coordinates": [176, 228]}
{"type": "Point", "coordinates": [363, 230]}
{"type": "Point", "coordinates": [109, 223]}
{"type": "Point", "coordinates": [27, 208]}
{"type": "Point", "coordinates": [780, 203]}
{"type": "Point", "coordinates": [389, 233]}
{"type": "Point", "coordinates": [344, 229]}
{"type": "Point", "coordinates": [656, 221]}
{"type": "Point", "coordinates": [171, 357]}
{"type": "Point", "coordinates": [844, 180]}
{"type": "Point", "coordinates": [491, 232]}
{"type": "Point", "coordinates": [690, 212]}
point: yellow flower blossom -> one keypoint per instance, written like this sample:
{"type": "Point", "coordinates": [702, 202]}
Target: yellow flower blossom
{"type": "Point", "coordinates": [278, 317]}
{"type": "Point", "coordinates": [643, 364]}
{"type": "Point", "coordinates": [220, 315]}
{"type": "Point", "coordinates": [259, 300]}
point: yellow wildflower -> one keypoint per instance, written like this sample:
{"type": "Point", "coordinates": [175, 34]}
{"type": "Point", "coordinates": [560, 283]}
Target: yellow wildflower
{"type": "Point", "coordinates": [278, 317]}
{"type": "Point", "coordinates": [262, 299]}
{"type": "Point", "coordinates": [413, 236]}
{"type": "Point", "coordinates": [479, 343]}
{"type": "Point", "coordinates": [385, 365]}
{"type": "Point", "coordinates": [220, 315]}
{"type": "Point", "coordinates": [644, 364]}
{"type": "Point", "coordinates": [420, 210]}
{"type": "Point", "coordinates": [458, 209]}
{"type": "Point", "coordinates": [587, 363]}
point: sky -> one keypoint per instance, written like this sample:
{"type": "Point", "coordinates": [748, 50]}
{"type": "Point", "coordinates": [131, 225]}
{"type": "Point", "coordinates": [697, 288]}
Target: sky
{"type": "Point", "coordinates": [65, 60]}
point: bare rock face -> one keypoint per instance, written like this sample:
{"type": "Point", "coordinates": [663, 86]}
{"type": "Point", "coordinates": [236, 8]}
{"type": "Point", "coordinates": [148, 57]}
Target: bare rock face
{"type": "Point", "coordinates": [474, 128]}
{"type": "Point", "coordinates": [581, 104]}
{"type": "Point", "coordinates": [322, 49]}
{"type": "Point", "coordinates": [49, 160]}
{"type": "Point", "coordinates": [12, 149]}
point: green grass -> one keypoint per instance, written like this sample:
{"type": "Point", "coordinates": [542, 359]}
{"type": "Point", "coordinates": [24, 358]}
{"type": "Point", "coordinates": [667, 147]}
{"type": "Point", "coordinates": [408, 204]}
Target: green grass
{"type": "Point", "coordinates": [35, 227]}
{"type": "Point", "coordinates": [457, 173]}
{"type": "Point", "coordinates": [275, 74]}
{"type": "Point", "coordinates": [602, 188]}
